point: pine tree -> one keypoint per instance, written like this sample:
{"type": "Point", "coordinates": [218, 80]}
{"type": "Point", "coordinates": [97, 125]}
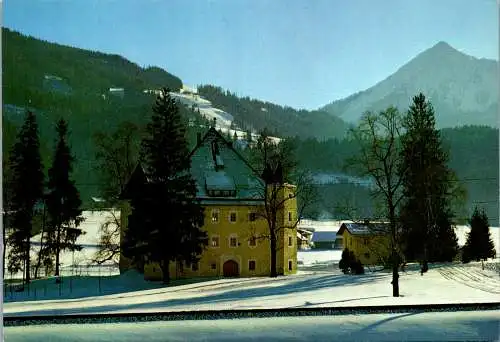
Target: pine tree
{"type": "Point", "coordinates": [177, 235]}
{"type": "Point", "coordinates": [444, 246]}
{"type": "Point", "coordinates": [26, 189]}
{"type": "Point", "coordinates": [427, 187]}
{"type": "Point", "coordinates": [63, 200]}
{"type": "Point", "coordinates": [479, 245]}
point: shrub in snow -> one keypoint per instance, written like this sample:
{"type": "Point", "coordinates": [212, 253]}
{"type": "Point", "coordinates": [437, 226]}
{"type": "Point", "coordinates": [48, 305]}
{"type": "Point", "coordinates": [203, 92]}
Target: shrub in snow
{"type": "Point", "coordinates": [350, 264]}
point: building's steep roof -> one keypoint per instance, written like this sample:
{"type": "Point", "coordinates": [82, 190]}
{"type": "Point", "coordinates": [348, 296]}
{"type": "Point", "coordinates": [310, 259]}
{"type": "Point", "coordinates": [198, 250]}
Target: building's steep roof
{"type": "Point", "coordinates": [364, 229]}
{"type": "Point", "coordinates": [219, 181]}
{"type": "Point", "coordinates": [221, 173]}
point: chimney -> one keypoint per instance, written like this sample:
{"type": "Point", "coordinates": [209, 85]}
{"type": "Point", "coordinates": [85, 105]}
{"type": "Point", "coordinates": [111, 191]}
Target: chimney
{"type": "Point", "coordinates": [198, 138]}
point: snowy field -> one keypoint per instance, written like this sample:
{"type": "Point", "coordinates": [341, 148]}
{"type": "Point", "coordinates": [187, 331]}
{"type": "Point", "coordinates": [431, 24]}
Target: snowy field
{"type": "Point", "coordinates": [451, 283]}
{"type": "Point", "coordinates": [319, 257]}
{"type": "Point", "coordinates": [437, 326]}
{"type": "Point", "coordinates": [81, 262]}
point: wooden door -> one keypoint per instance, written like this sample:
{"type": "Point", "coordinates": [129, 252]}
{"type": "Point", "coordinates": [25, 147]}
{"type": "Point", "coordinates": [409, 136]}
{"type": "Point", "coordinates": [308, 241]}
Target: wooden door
{"type": "Point", "coordinates": [230, 269]}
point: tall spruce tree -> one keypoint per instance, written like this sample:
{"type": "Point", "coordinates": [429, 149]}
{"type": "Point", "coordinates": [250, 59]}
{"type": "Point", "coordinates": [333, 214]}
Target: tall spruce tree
{"type": "Point", "coordinates": [166, 219]}
{"type": "Point", "coordinates": [479, 245]}
{"type": "Point", "coordinates": [63, 200]}
{"type": "Point", "coordinates": [427, 188]}
{"type": "Point", "coordinates": [26, 189]}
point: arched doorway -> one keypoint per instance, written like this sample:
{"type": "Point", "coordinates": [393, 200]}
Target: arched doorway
{"type": "Point", "coordinates": [230, 269]}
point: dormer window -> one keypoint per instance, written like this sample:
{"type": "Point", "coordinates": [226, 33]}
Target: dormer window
{"type": "Point", "coordinates": [219, 184]}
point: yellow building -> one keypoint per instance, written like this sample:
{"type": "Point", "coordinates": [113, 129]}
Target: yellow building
{"type": "Point", "coordinates": [370, 243]}
{"type": "Point", "coordinates": [231, 193]}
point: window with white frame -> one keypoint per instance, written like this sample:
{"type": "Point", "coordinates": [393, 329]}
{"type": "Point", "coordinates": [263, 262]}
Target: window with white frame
{"type": "Point", "coordinates": [233, 241]}
{"type": "Point", "coordinates": [215, 216]}
{"type": "Point", "coordinates": [214, 241]}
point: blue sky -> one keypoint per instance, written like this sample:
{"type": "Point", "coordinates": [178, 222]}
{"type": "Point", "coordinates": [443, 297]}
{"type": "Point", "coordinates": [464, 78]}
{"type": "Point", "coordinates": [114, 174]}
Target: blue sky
{"type": "Point", "coordinates": [298, 53]}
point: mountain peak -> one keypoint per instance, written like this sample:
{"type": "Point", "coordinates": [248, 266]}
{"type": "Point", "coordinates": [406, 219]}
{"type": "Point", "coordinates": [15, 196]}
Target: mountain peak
{"type": "Point", "coordinates": [463, 88]}
{"type": "Point", "coordinates": [443, 47]}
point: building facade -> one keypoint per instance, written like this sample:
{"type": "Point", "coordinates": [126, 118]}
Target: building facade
{"type": "Point", "coordinates": [232, 195]}
{"type": "Point", "coordinates": [370, 243]}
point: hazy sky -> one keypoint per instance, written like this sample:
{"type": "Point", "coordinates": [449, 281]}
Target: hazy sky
{"type": "Point", "coordinates": [298, 53]}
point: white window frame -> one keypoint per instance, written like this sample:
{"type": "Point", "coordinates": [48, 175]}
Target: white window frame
{"type": "Point", "coordinates": [235, 236]}
{"type": "Point", "coordinates": [218, 241]}
{"type": "Point", "coordinates": [215, 211]}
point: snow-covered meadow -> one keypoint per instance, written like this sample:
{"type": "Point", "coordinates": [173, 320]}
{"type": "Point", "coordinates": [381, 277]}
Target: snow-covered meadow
{"type": "Point", "coordinates": [80, 262]}
{"type": "Point", "coordinates": [447, 283]}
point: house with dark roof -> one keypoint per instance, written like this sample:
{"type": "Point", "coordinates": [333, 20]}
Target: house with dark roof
{"type": "Point", "coordinates": [232, 194]}
{"type": "Point", "coordinates": [324, 240]}
{"type": "Point", "coordinates": [370, 242]}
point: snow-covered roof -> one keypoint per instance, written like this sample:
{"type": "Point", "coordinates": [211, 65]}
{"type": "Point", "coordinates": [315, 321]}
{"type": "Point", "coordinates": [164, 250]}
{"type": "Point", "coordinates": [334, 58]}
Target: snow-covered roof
{"type": "Point", "coordinates": [219, 181]}
{"type": "Point", "coordinates": [363, 229]}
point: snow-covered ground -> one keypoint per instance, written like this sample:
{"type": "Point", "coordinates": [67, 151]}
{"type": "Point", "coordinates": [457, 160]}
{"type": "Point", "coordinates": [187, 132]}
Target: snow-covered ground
{"type": "Point", "coordinates": [223, 119]}
{"type": "Point", "coordinates": [318, 257]}
{"type": "Point", "coordinates": [452, 283]}
{"type": "Point", "coordinates": [424, 326]}
{"type": "Point", "coordinates": [80, 262]}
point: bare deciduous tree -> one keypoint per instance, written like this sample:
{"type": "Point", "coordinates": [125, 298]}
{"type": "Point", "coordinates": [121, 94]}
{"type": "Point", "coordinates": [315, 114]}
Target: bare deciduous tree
{"type": "Point", "coordinates": [378, 136]}
{"type": "Point", "coordinates": [282, 184]}
{"type": "Point", "coordinates": [109, 241]}
{"type": "Point", "coordinates": [117, 156]}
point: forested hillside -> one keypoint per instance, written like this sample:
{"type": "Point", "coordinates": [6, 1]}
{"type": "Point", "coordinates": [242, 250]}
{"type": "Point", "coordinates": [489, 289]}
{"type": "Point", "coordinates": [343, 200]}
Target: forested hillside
{"type": "Point", "coordinates": [473, 154]}
{"type": "Point", "coordinates": [282, 121]}
{"type": "Point", "coordinates": [59, 81]}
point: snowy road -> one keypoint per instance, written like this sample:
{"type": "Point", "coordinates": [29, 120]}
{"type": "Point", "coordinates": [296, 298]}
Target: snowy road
{"type": "Point", "coordinates": [438, 326]}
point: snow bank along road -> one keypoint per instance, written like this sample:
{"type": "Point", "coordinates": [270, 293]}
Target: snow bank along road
{"type": "Point", "coordinates": [420, 326]}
